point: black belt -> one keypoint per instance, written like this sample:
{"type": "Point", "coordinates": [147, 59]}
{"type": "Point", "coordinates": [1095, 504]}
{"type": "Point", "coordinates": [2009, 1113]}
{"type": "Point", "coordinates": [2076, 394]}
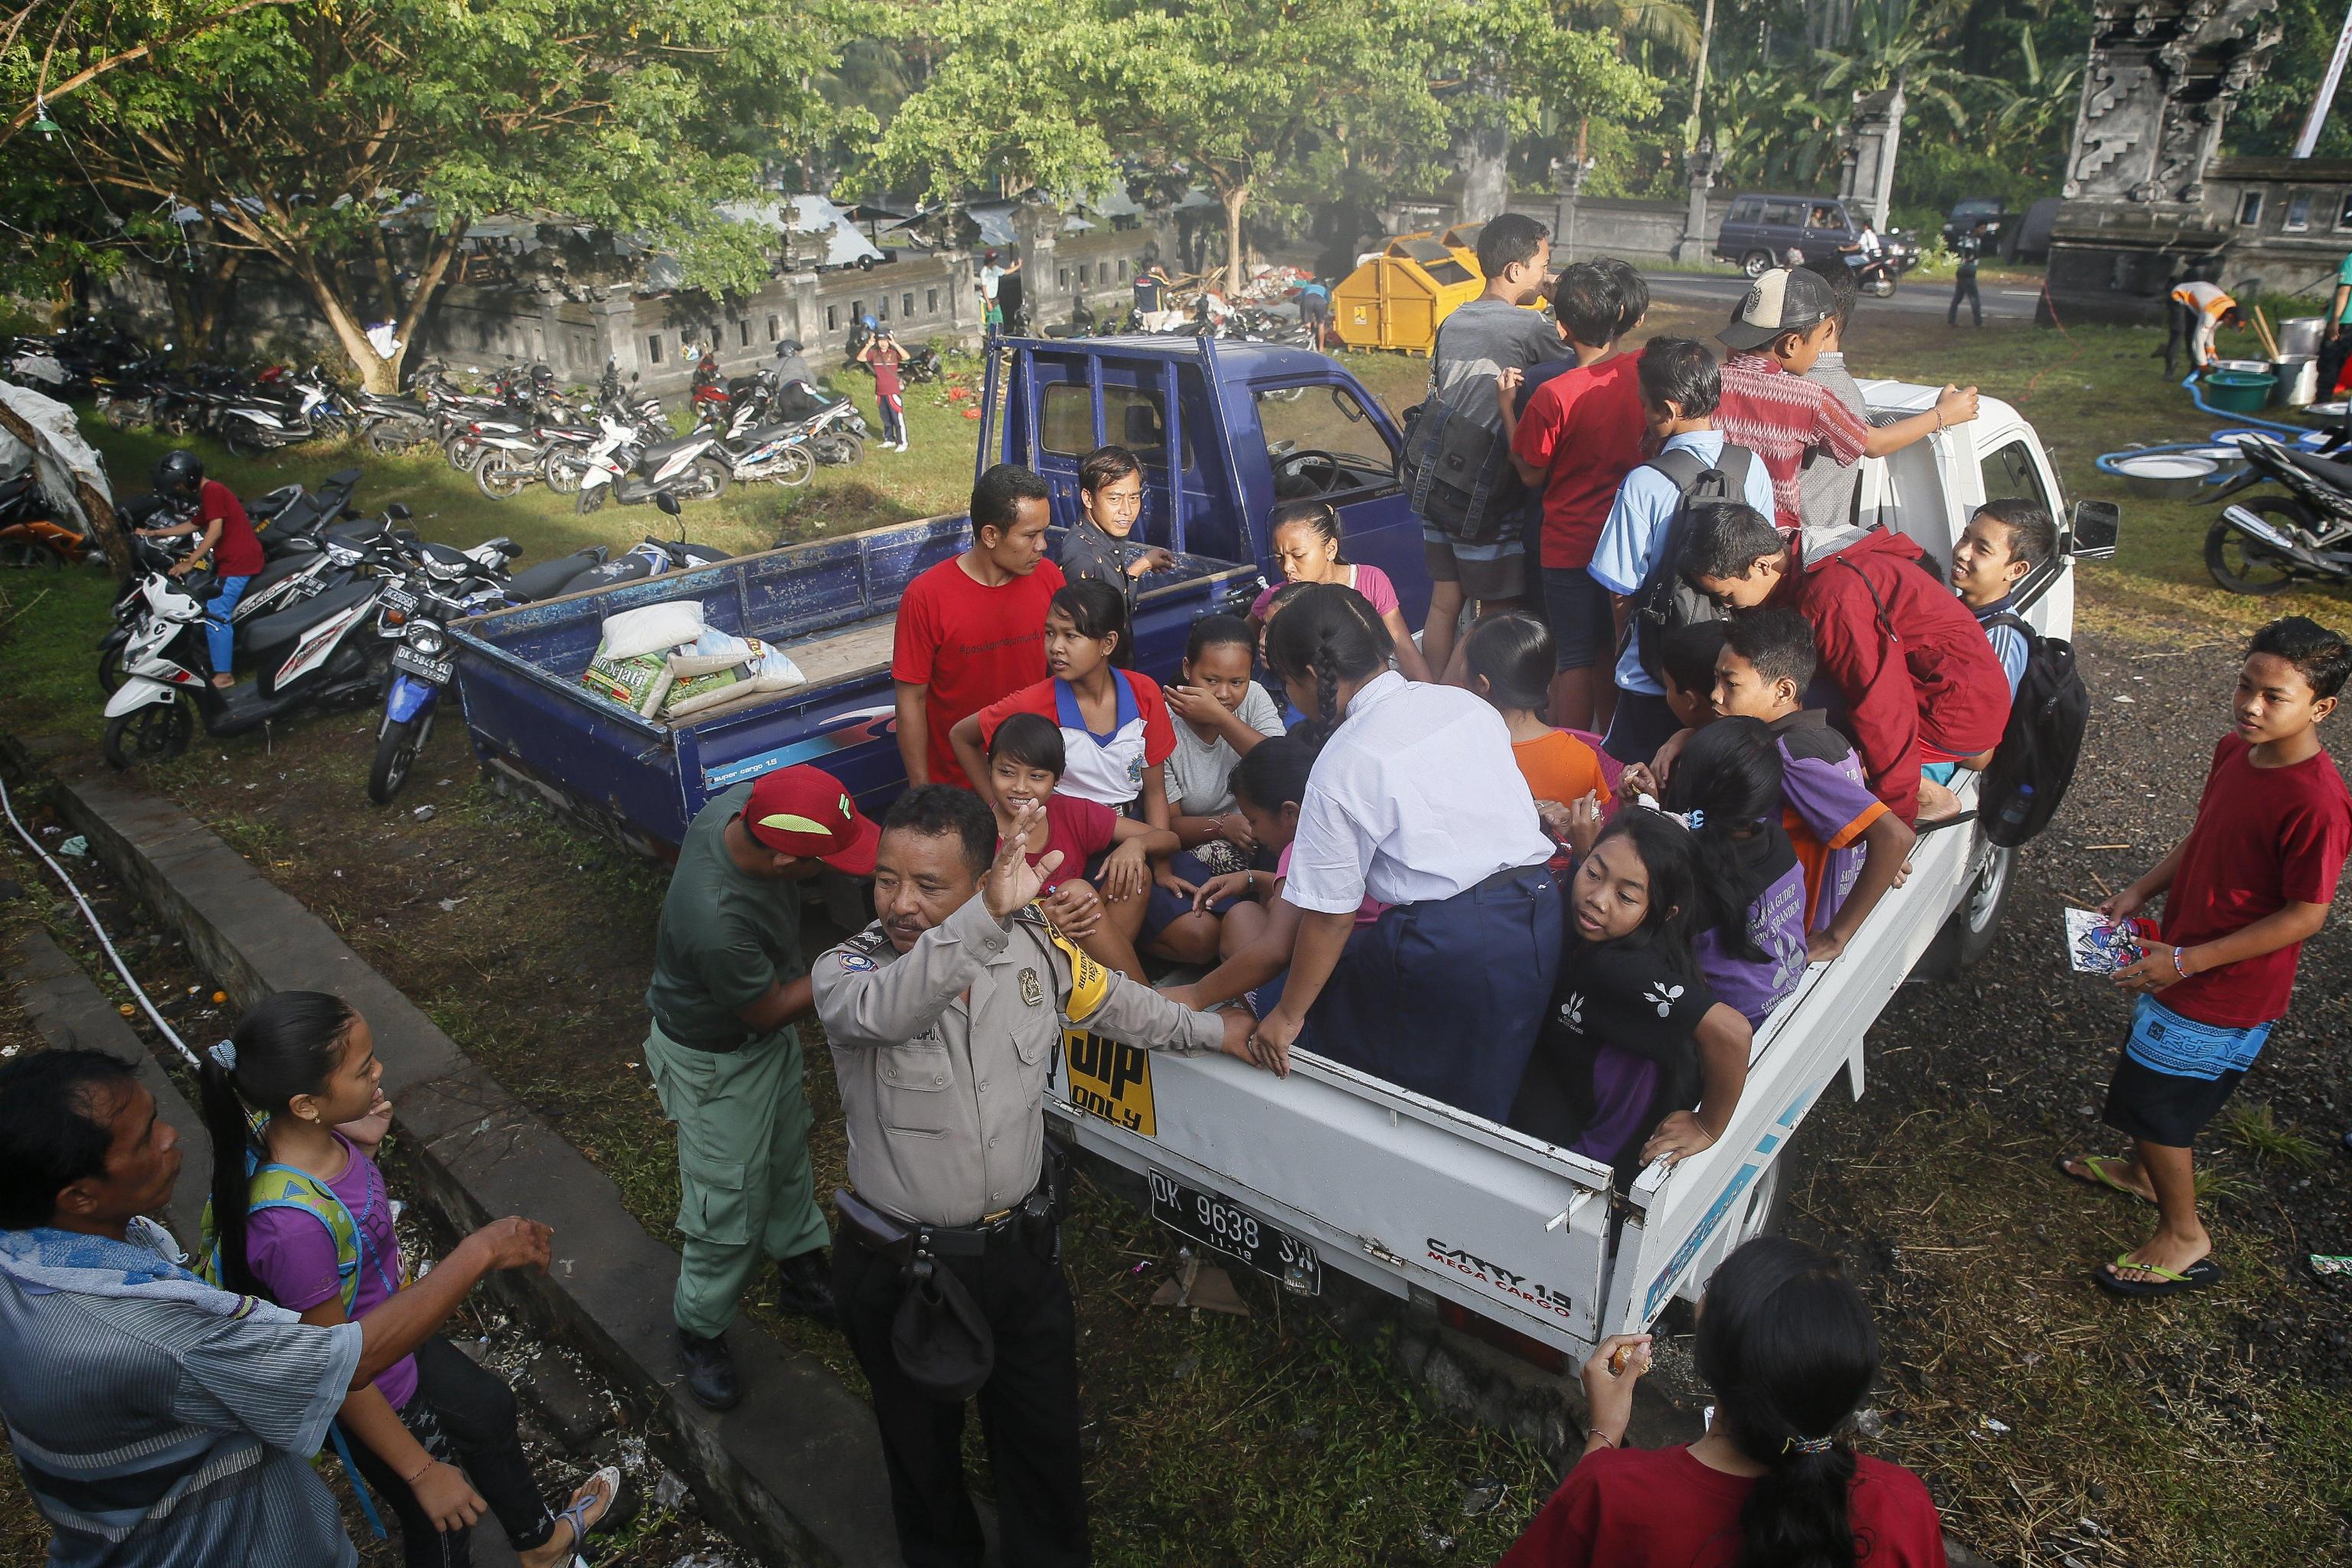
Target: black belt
{"type": "Point", "coordinates": [712, 1047]}
{"type": "Point", "coordinates": [907, 1242]}
{"type": "Point", "coordinates": [1508, 875]}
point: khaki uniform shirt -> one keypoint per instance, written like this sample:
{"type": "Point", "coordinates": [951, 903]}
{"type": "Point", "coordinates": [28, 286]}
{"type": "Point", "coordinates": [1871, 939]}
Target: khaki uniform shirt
{"type": "Point", "coordinates": [943, 1093]}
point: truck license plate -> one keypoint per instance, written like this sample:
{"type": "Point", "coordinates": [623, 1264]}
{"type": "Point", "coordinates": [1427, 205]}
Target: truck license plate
{"type": "Point", "coordinates": [437, 671]}
{"type": "Point", "coordinates": [1234, 1231]}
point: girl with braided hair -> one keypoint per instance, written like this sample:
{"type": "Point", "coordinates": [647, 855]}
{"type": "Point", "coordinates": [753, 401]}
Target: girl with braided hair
{"type": "Point", "coordinates": [1415, 801]}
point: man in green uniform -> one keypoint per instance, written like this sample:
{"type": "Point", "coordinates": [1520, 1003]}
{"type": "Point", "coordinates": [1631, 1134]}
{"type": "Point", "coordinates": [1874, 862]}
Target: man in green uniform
{"type": "Point", "coordinates": [727, 985]}
{"type": "Point", "coordinates": [2335, 344]}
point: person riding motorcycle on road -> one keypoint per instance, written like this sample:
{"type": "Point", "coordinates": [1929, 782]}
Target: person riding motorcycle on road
{"type": "Point", "coordinates": [234, 549]}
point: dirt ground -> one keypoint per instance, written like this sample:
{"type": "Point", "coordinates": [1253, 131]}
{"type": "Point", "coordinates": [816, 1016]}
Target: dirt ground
{"type": "Point", "coordinates": [2050, 1423]}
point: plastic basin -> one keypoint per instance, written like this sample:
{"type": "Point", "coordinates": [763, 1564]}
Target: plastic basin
{"type": "Point", "coordinates": [2238, 391]}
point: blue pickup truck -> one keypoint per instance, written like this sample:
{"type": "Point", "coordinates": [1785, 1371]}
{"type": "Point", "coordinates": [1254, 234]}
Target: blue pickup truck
{"type": "Point", "coordinates": [1223, 432]}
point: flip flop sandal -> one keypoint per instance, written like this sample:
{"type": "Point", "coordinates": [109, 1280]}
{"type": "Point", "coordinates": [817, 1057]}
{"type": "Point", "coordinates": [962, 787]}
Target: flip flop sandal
{"type": "Point", "coordinates": [2196, 1277]}
{"type": "Point", "coordinates": [577, 1513]}
{"type": "Point", "coordinates": [2098, 1165]}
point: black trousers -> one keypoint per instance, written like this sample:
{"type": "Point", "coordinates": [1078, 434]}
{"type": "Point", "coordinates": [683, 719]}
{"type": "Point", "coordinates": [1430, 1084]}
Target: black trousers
{"type": "Point", "coordinates": [464, 1416]}
{"type": "Point", "coordinates": [1643, 723]}
{"type": "Point", "coordinates": [2332, 354]}
{"type": "Point", "coordinates": [2179, 326]}
{"type": "Point", "coordinates": [1964, 286]}
{"type": "Point", "coordinates": [1028, 1409]}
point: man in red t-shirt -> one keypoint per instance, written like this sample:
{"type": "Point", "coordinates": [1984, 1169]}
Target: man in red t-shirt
{"type": "Point", "coordinates": [1579, 434]}
{"type": "Point", "coordinates": [229, 544]}
{"type": "Point", "coordinates": [972, 629]}
{"type": "Point", "coordinates": [2242, 892]}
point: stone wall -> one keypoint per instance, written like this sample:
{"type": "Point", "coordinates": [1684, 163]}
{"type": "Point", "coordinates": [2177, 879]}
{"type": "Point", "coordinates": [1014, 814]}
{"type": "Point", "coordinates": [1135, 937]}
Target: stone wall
{"type": "Point", "coordinates": [1638, 231]}
{"type": "Point", "coordinates": [923, 296]}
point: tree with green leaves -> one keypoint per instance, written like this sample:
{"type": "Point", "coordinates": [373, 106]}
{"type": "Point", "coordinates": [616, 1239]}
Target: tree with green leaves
{"type": "Point", "coordinates": [354, 142]}
{"type": "Point", "coordinates": [1068, 95]}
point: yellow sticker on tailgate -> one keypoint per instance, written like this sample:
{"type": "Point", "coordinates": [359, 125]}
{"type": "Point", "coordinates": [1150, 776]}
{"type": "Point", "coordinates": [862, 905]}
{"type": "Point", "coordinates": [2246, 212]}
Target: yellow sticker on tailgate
{"type": "Point", "coordinates": [1109, 1080]}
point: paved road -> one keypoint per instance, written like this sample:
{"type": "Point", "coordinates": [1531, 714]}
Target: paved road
{"type": "Point", "coordinates": [1928, 297]}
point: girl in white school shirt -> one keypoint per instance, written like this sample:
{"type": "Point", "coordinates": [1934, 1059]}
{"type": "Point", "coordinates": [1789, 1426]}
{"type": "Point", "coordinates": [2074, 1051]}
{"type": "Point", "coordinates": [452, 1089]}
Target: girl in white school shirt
{"type": "Point", "coordinates": [1415, 800]}
{"type": "Point", "coordinates": [1116, 734]}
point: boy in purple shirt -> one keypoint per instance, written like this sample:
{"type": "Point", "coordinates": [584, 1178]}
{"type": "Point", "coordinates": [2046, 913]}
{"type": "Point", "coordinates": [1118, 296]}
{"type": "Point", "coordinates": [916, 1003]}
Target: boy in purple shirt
{"type": "Point", "coordinates": [1851, 846]}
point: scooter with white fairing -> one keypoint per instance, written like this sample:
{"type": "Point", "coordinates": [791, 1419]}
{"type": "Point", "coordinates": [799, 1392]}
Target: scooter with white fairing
{"type": "Point", "coordinates": [322, 652]}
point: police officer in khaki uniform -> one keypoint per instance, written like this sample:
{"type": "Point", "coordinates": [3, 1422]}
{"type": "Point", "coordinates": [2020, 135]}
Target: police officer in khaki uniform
{"type": "Point", "coordinates": [943, 1018]}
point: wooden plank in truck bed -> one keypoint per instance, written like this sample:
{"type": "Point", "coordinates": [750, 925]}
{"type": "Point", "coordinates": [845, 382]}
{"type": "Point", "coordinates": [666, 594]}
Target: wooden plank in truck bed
{"type": "Point", "coordinates": [845, 653]}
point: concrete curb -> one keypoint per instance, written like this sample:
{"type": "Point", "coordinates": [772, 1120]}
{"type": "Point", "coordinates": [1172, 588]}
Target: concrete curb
{"type": "Point", "coordinates": [794, 1472]}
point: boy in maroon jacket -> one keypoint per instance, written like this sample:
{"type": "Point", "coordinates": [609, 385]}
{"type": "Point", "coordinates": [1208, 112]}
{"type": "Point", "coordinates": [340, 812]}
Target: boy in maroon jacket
{"type": "Point", "coordinates": [1921, 689]}
{"type": "Point", "coordinates": [2241, 893]}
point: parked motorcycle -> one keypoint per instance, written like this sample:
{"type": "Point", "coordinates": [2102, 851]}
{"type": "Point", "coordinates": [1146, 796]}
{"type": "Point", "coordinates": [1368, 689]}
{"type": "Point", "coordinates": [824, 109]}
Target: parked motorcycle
{"type": "Point", "coordinates": [651, 557]}
{"type": "Point", "coordinates": [622, 467]}
{"type": "Point", "coordinates": [313, 654]}
{"type": "Point", "coordinates": [2267, 543]}
{"type": "Point", "coordinates": [29, 535]}
{"type": "Point", "coordinates": [427, 587]}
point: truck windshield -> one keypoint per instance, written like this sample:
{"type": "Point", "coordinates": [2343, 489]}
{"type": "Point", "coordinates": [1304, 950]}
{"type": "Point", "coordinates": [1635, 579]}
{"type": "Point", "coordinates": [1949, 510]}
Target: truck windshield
{"type": "Point", "coordinates": [1321, 443]}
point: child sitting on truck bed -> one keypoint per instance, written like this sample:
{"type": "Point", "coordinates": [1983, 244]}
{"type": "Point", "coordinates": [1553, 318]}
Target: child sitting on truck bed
{"type": "Point", "coordinates": [2003, 544]}
{"type": "Point", "coordinates": [1025, 759]}
{"type": "Point", "coordinates": [1850, 846]}
{"type": "Point", "coordinates": [2242, 892]}
{"type": "Point", "coordinates": [1749, 932]}
{"type": "Point", "coordinates": [1304, 536]}
{"type": "Point", "coordinates": [1115, 736]}
{"type": "Point", "coordinates": [1099, 545]}
{"type": "Point", "coordinates": [1509, 659]}
{"type": "Point", "coordinates": [1257, 933]}
{"type": "Point", "coordinates": [1635, 1037]}
{"type": "Point", "coordinates": [1921, 689]}
{"type": "Point", "coordinates": [1222, 715]}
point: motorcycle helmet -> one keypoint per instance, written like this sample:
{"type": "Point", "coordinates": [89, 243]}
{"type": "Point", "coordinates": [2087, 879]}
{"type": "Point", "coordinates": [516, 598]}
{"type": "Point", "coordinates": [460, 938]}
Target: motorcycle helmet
{"type": "Point", "coordinates": [179, 472]}
{"type": "Point", "coordinates": [789, 346]}
{"type": "Point", "coordinates": [867, 322]}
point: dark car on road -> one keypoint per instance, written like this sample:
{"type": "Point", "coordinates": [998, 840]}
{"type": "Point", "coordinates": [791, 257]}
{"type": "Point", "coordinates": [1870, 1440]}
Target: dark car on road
{"type": "Point", "coordinates": [1761, 228]}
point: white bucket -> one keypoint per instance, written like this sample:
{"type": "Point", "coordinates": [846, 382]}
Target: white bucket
{"type": "Point", "coordinates": [2298, 380]}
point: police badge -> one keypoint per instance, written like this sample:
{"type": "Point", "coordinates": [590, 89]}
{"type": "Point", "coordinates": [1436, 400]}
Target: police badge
{"type": "Point", "coordinates": [1031, 992]}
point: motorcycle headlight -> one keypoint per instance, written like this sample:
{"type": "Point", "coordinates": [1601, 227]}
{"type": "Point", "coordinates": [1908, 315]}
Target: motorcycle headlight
{"type": "Point", "coordinates": [426, 638]}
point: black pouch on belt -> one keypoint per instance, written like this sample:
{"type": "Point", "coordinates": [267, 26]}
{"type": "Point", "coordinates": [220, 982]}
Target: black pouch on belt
{"type": "Point", "coordinates": [938, 1336]}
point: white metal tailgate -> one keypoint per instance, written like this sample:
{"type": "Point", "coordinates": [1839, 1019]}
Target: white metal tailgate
{"type": "Point", "coordinates": [1390, 1187]}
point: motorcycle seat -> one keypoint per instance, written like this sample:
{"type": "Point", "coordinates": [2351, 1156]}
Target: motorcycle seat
{"type": "Point", "coordinates": [282, 627]}
{"type": "Point", "coordinates": [550, 578]}
{"type": "Point", "coordinates": [760, 438]}
{"type": "Point", "coordinates": [263, 507]}
{"type": "Point", "coordinates": [344, 480]}
{"type": "Point", "coordinates": [277, 570]}
{"type": "Point", "coordinates": [2335, 475]}
{"type": "Point", "coordinates": [408, 405]}
{"type": "Point", "coordinates": [655, 456]}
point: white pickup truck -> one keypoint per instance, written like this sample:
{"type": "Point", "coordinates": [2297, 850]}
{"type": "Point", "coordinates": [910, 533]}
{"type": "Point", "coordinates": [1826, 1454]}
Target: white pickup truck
{"type": "Point", "coordinates": [1330, 1168]}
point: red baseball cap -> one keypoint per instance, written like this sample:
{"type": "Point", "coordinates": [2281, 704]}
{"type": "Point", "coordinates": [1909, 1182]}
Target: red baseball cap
{"type": "Point", "coordinates": [804, 811]}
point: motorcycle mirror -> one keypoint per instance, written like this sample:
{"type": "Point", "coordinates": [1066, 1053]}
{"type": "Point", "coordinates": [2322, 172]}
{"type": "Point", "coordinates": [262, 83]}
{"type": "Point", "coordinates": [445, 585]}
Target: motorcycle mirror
{"type": "Point", "coordinates": [398, 512]}
{"type": "Point", "coordinates": [668, 502]}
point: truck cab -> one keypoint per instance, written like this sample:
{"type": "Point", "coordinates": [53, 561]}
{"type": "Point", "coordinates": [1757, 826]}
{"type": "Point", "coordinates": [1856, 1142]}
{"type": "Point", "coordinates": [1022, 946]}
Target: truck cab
{"type": "Point", "coordinates": [1249, 425]}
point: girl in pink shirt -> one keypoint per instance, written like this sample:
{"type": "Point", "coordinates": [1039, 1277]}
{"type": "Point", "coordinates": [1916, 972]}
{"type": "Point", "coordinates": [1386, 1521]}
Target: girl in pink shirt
{"type": "Point", "coordinates": [1305, 535]}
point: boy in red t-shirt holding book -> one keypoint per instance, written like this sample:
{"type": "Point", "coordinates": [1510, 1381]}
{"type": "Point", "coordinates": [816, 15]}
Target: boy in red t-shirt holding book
{"type": "Point", "coordinates": [2242, 892]}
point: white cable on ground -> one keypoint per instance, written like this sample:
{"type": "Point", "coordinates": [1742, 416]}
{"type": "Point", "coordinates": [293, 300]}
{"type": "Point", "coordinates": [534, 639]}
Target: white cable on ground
{"type": "Point", "coordinates": [105, 941]}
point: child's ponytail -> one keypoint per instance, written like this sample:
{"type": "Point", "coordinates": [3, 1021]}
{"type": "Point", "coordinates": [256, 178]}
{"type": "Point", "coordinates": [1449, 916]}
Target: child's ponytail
{"type": "Point", "coordinates": [288, 1045]}
{"type": "Point", "coordinates": [1728, 780]}
{"type": "Point", "coordinates": [1788, 1346]}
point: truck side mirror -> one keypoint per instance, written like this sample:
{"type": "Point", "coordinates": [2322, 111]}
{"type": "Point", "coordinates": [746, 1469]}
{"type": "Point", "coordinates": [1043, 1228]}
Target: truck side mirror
{"type": "Point", "coordinates": [2091, 535]}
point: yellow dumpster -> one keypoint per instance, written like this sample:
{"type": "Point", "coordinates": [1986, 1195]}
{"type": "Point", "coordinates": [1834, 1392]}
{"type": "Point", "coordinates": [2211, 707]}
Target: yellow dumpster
{"type": "Point", "coordinates": [1395, 299]}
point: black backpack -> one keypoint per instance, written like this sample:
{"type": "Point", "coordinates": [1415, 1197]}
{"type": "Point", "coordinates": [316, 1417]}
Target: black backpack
{"type": "Point", "coordinates": [1664, 601]}
{"type": "Point", "coordinates": [2034, 763]}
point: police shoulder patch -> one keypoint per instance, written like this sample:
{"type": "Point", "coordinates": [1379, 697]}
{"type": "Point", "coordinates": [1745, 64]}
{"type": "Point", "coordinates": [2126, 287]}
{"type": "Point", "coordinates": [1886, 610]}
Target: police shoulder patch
{"type": "Point", "coordinates": [856, 962]}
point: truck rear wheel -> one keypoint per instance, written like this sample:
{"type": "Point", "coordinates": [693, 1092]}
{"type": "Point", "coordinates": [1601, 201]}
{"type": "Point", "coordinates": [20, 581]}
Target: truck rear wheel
{"type": "Point", "coordinates": [1967, 935]}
